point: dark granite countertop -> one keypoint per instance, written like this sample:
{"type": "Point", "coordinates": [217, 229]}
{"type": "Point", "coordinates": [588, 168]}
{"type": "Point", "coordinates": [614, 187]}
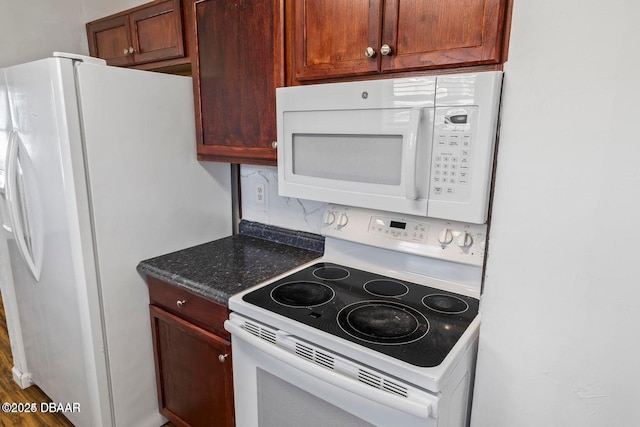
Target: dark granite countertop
{"type": "Point", "coordinates": [219, 269]}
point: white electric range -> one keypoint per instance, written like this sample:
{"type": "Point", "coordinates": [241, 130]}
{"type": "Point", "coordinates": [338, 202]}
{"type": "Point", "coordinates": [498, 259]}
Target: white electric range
{"type": "Point", "coordinates": [382, 330]}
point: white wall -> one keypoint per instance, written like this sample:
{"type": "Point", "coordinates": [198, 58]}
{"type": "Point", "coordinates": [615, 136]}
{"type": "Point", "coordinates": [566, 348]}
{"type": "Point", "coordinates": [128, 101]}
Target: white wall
{"type": "Point", "coordinates": [33, 29]}
{"type": "Point", "coordinates": [95, 9]}
{"type": "Point", "coordinates": [559, 341]}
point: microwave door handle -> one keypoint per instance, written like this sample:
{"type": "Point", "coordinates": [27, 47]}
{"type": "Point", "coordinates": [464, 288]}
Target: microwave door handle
{"type": "Point", "coordinates": [411, 155]}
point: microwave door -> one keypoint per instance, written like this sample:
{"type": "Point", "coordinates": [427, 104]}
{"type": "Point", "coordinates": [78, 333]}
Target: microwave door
{"type": "Point", "coordinates": [377, 158]}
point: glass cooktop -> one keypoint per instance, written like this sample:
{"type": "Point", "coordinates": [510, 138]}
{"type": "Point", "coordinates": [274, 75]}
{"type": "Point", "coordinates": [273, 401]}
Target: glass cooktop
{"type": "Point", "coordinates": [413, 323]}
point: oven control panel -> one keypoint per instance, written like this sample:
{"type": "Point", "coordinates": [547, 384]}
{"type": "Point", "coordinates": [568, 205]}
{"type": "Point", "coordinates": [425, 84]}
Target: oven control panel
{"type": "Point", "coordinates": [399, 229]}
{"type": "Point", "coordinates": [430, 237]}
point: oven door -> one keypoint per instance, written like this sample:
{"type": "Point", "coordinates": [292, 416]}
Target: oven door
{"type": "Point", "coordinates": [275, 386]}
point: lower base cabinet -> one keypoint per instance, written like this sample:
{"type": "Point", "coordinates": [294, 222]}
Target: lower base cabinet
{"type": "Point", "coordinates": [193, 360]}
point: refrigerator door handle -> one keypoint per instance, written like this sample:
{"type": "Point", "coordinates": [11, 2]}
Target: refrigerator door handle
{"type": "Point", "coordinates": [12, 197]}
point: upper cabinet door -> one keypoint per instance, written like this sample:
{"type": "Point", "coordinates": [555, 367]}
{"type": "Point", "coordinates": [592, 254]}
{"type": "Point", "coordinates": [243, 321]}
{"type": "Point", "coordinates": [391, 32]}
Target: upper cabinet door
{"type": "Point", "coordinates": [110, 39]}
{"type": "Point", "coordinates": [157, 32]}
{"type": "Point", "coordinates": [149, 36]}
{"type": "Point", "coordinates": [440, 33]}
{"type": "Point", "coordinates": [239, 64]}
{"type": "Point", "coordinates": [332, 37]}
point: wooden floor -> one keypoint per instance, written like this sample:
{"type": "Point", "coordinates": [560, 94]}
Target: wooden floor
{"type": "Point", "coordinates": [11, 393]}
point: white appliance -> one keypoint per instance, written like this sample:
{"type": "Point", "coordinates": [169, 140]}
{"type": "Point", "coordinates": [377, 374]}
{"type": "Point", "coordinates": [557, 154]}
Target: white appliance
{"type": "Point", "coordinates": [100, 173]}
{"type": "Point", "coordinates": [421, 145]}
{"type": "Point", "coordinates": [6, 280]}
{"type": "Point", "coordinates": [382, 330]}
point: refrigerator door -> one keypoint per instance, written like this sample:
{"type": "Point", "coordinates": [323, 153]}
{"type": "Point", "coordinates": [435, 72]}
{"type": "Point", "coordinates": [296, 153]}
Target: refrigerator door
{"type": "Point", "coordinates": [149, 196]}
{"type": "Point", "coordinates": [20, 372]}
{"type": "Point", "coordinates": [58, 315]}
{"type": "Point", "coordinates": [5, 126]}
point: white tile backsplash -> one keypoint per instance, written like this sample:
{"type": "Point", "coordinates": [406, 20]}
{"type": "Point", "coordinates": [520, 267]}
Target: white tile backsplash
{"type": "Point", "coordinates": [272, 209]}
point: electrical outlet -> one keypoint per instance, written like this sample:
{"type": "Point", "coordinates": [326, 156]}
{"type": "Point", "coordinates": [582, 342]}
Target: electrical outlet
{"type": "Point", "coordinates": [260, 195]}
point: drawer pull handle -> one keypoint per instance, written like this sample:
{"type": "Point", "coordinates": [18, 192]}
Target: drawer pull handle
{"type": "Point", "coordinates": [181, 302]}
{"type": "Point", "coordinates": [222, 357]}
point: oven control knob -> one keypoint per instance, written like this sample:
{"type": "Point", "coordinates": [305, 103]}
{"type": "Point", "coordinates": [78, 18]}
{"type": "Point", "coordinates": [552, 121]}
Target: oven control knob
{"type": "Point", "coordinates": [343, 219]}
{"type": "Point", "coordinates": [329, 218]}
{"type": "Point", "coordinates": [465, 240]}
{"type": "Point", "coordinates": [445, 237]}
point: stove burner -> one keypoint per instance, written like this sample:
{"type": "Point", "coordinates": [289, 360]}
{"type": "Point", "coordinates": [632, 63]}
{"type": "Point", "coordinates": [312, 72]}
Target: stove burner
{"type": "Point", "coordinates": [447, 304]}
{"type": "Point", "coordinates": [302, 294]}
{"type": "Point", "coordinates": [383, 322]}
{"type": "Point", "coordinates": [380, 321]}
{"type": "Point", "coordinates": [331, 273]}
{"type": "Point", "coordinates": [386, 288]}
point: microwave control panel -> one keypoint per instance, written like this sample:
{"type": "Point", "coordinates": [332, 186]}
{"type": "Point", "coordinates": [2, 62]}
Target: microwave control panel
{"type": "Point", "coordinates": [464, 135]}
{"type": "Point", "coordinates": [452, 161]}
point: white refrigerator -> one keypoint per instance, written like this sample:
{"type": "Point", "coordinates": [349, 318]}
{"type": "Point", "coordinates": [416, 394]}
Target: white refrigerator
{"type": "Point", "coordinates": [100, 172]}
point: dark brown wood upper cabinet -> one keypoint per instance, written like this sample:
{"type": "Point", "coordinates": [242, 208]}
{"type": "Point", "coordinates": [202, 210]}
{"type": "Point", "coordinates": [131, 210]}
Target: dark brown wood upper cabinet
{"type": "Point", "coordinates": [340, 38]}
{"type": "Point", "coordinates": [110, 39]}
{"type": "Point", "coordinates": [150, 33]}
{"type": "Point", "coordinates": [157, 32]}
{"type": "Point", "coordinates": [237, 66]}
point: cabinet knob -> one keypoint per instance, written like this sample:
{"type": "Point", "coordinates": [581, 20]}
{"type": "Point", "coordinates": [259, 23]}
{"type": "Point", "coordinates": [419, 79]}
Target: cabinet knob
{"type": "Point", "coordinates": [131, 49]}
{"type": "Point", "coordinates": [274, 144]}
{"type": "Point", "coordinates": [369, 52]}
{"type": "Point", "coordinates": [126, 51]}
{"type": "Point", "coordinates": [222, 357]}
{"type": "Point", "coordinates": [385, 49]}
{"type": "Point", "coordinates": [181, 302]}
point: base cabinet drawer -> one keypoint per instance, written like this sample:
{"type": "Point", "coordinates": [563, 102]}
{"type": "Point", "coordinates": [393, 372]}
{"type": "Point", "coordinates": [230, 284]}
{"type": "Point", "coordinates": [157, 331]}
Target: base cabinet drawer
{"type": "Point", "coordinates": [193, 308]}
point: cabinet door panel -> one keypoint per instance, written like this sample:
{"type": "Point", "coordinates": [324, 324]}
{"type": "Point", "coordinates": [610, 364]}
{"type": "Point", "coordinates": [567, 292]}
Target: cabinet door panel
{"type": "Point", "coordinates": [194, 386]}
{"type": "Point", "coordinates": [331, 37]}
{"type": "Point", "coordinates": [157, 32]}
{"type": "Point", "coordinates": [239, 64]}
{"type": "Point", "coordinates": [110, 39]}
{"type": "Point", "coordinates": [435, 33]}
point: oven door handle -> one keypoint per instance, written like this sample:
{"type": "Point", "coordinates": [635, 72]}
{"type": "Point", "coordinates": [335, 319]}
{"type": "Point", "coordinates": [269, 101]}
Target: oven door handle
{"type": "Point", "coordinates": [421, 409]}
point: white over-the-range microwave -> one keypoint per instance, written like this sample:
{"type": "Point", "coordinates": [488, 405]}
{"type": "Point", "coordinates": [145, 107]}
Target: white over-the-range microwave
{"type": "Point", "coordinates": [420, 145]}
